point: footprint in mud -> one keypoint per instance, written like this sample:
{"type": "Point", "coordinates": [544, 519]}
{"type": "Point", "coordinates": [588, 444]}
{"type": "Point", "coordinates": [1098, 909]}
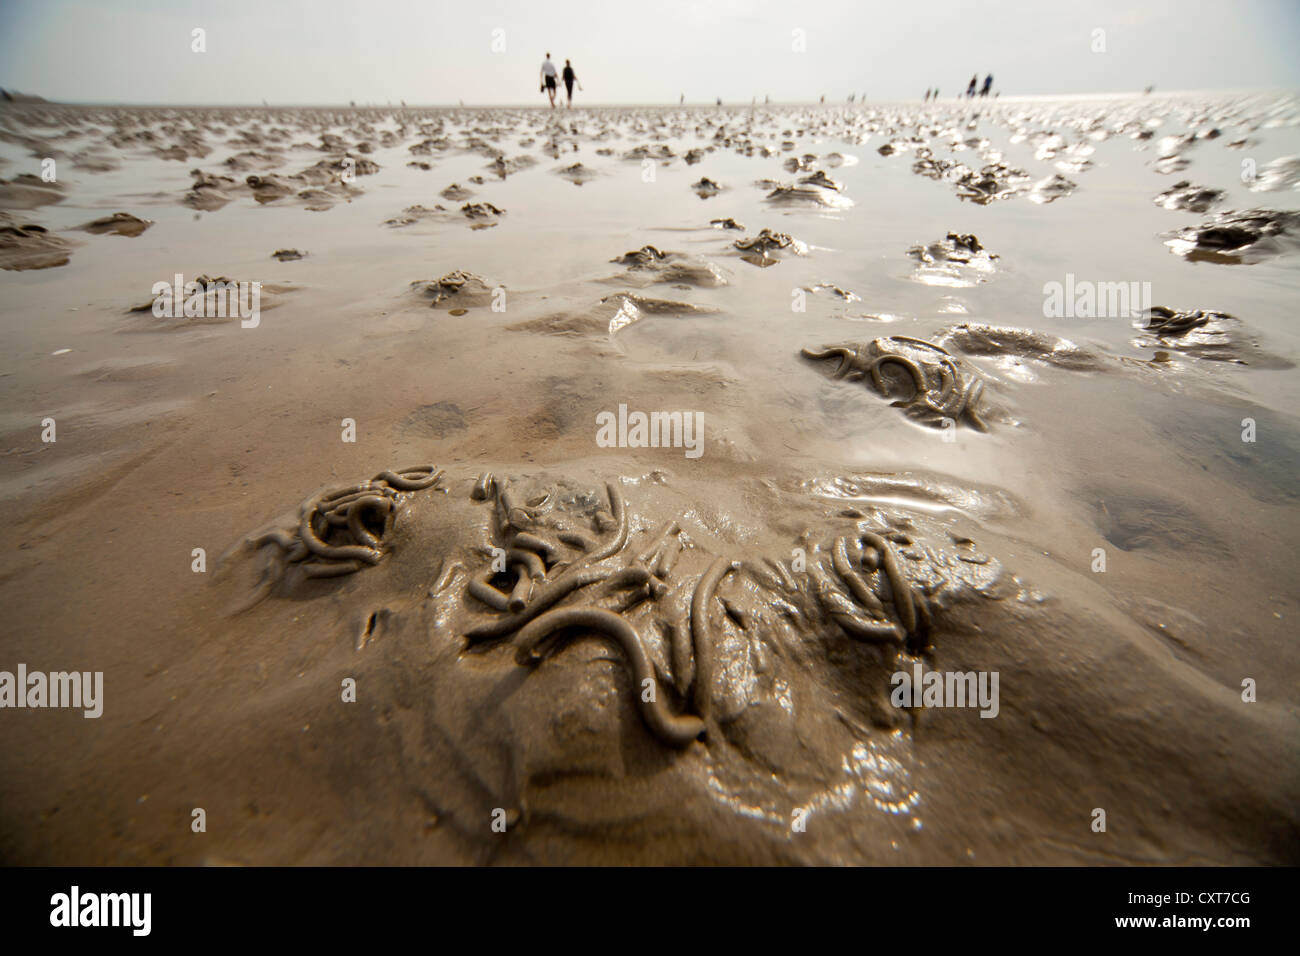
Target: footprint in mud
{"type": "Point", "coordinates": [1132, 521]}
{"type": "Point", "coordinates": [435, 421]}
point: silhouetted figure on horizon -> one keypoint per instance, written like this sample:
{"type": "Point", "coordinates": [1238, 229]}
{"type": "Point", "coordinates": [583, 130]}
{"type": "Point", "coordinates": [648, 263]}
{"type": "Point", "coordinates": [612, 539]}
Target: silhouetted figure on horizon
{"type": "Point", "coordinates": [988, 85]}
{"type": "Point", "coordinates": [569, 79]}
{"type": "Point", "coordinates": [548, 79]}
{"type": "Point", "coordinates": [970, 90]}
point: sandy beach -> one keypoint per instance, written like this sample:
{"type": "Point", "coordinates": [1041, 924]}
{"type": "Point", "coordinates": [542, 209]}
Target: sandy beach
{"type": "Point", "coordinates": [569, 487]}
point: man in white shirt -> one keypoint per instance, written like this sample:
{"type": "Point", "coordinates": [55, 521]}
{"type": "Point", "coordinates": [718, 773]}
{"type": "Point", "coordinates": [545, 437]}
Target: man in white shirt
{"type": "Point", "coordinates": [548, 79]}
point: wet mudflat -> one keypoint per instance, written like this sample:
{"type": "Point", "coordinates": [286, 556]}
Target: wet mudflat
{"type": "Point", "coordinates": [676, 434]}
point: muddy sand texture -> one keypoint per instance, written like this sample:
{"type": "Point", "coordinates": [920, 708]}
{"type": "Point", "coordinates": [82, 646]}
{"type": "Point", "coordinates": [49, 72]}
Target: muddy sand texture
{"type": "Point", "coordinates": [629, 654]}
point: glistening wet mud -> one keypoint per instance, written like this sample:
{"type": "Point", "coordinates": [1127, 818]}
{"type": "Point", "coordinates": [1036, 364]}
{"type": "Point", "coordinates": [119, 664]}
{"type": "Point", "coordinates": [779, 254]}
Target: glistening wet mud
{"type": "Point", "coordinates": [910, 463]}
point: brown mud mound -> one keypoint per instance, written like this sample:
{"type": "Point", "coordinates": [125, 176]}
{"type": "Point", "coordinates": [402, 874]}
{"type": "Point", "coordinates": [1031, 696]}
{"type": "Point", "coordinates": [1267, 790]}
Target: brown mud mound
{"type": "Point", "coordinates": [209, 192]}
{"type": "Point", "coordinates": [788, 194]}
{"type": "Point", "coordinates": [24, 247]}
{"type": "Point", "coordinates": [651, 266]}
{"type": "Point", "coordinates": [1203, 334]}
{"type": "Point", "coordinates": [956, 261]}
{"type": "Point", "coordinates": [994, 181]}
{"type": "Point", "coordinates": [922, 378]}
{"type": "Point", "coordinates": [1183, 195]}
{"type": "Point", "coordinates": [1052, 188]}
{"type": "Point", "coordinates": [508, 167]}
{"type": "Point", "coordinates": [1001, 341]}
{"type": "Point", "coordinates": [1282, 173]}
{"type": "Point", "coordinates": [761, 250]}
{"type": "Point", "coordinates": [706, 187]}
{"type": "Point", "coordinates": [625, 674]}
{"type": "Point", "coordinates": [417, 213]}
{"type": "Point", "coordinates": [707, 639]}
{"type": "Point", "coordinates": [340, 531]}
{"type": "Point", "coordinates": [577, 174]}
{"type": "Point", "coordinates": [207, 300]}
{"type": "Point", "coordinates": [1233, 238]}
{"type": "Point", "coordinates": [820, 179]}
{"type": "Point", "coordinates": [458, 289]}
{"type": "Point", "coordinates": [118, 224]}
{"type": "Point", "coordinates": [26, 191]}
{"type": "Point", "coordinates": [482, 215]}
{"type": "Point", "coordinates": [270, 188]}
{"type": "Point", "coordinates": [607, 317]}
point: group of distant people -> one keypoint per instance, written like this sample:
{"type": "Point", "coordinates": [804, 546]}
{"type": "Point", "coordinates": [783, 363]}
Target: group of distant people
{"type": "Point", "coordinates": [970, 89]}
{"type": "Point", "coordinates": [550, 87]}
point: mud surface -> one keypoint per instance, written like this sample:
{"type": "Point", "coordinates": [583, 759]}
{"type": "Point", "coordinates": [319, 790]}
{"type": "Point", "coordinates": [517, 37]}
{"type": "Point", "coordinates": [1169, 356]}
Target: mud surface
{"type": "Point", "coordinates": [566, 508]}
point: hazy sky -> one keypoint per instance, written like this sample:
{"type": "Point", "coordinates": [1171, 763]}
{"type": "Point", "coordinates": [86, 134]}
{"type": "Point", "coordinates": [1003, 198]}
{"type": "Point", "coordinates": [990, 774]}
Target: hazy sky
{"type": "Point", "coordinates": [634, 51]}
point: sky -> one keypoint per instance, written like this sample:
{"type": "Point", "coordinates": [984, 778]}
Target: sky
{"type": "Point", "coordinates": [308, 52]}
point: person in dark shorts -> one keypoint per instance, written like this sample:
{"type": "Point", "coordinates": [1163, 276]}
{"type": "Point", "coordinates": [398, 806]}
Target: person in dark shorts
{"type": "Point", "coordinates": [548, 79]}
{"type": "Point", "coordinates": [569, 79]}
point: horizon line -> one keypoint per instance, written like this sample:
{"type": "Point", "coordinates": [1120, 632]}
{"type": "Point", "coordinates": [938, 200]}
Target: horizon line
{"type": "Point", "coordinates": [959, 98]}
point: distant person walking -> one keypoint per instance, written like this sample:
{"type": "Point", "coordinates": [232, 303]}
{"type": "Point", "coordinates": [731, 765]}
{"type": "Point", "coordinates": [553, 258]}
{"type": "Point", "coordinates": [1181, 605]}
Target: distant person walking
{"type": "Point", "coordinates": [988, 85]}
{"type": "Point", "coordinates": [548, 79]}
{"type": "Point", "coordinates": [569, 79]}
{"type": "Point", "coordinates": [970, 90]}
